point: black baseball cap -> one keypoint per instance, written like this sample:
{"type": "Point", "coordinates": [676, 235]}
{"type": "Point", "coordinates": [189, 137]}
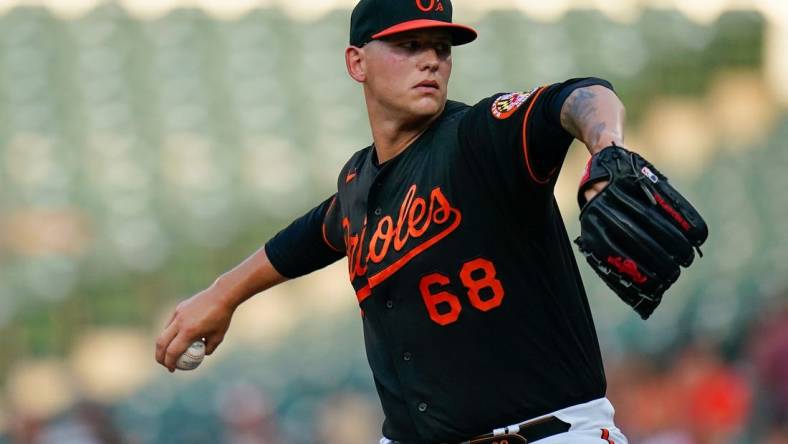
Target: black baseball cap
{"type": "Point", "coordinates": [372, 19]}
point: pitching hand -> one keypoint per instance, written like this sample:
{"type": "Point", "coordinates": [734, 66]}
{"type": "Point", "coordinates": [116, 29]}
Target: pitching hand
{"type": "Point", "coordinates": [204, 315]}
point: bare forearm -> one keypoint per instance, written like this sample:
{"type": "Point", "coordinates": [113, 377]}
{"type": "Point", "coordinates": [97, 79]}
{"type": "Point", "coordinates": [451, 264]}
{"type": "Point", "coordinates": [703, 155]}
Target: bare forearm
{"type": "Point", "coordinates": [252, 276]}
{"type": "Point", "coordinates": [208, 313]}
{"type": "Point", "coordinates": [595, 116]}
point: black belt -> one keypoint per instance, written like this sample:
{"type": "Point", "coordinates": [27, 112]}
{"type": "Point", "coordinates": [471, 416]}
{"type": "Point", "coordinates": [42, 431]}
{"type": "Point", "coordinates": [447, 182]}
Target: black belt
{"type": "Point", "coordinates": [522, 433]}
{"type": "Point", "coordinates": [525, 432]}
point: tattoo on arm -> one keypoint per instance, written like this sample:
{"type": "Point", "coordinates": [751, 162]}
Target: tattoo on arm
{"type": "Point", "coordinates": [594, 117]}
{"type": "Point", "coordinates": [579, 107]}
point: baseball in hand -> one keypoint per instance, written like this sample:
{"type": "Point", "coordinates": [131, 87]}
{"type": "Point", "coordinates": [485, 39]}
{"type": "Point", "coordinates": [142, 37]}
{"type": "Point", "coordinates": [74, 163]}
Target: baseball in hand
{"type": "Point", "coordinates": [192, 357]}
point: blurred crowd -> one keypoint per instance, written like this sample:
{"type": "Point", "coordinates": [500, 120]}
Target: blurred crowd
{"type": "Point", "coordinates": [245, 417]}
{"type": "Point", "coordinates": [707, 393]}
{"type": "Point", "coordinates": [118, 129]}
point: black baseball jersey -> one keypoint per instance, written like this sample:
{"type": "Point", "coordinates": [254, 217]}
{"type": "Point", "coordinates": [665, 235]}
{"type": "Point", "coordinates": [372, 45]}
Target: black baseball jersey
{"type": "Point", "coordinates": [474, 313]}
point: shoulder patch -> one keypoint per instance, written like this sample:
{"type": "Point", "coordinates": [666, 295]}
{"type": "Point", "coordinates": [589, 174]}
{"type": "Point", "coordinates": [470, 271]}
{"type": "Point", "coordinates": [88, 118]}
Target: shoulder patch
{"type": "Point", "coordinates": [506, 105]}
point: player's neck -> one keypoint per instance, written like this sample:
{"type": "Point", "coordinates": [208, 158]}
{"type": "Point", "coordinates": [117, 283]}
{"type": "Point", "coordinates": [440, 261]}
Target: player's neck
{"type": "Point", "coordinates": [393, 135]}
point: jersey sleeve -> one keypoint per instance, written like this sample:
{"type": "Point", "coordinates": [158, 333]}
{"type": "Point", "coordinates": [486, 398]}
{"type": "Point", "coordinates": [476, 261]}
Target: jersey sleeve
{"type": "Point", "coordinates": [520, 134]}
{"type": "Point", "coordinates": [311, 242]}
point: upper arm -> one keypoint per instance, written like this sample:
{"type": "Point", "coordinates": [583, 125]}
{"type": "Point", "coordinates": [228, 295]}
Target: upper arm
{"type": "Point", "coordinates": [594, 115]}
{"type": "Point", "coordinates": [309, 243]}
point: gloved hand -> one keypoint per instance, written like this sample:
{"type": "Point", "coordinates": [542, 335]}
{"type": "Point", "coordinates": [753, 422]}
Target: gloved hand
{"type": "Point", "coordinates": [638, 229]}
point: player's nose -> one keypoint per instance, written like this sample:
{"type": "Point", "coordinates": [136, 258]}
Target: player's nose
{"type": "Point", "coordinates": [430, 59]}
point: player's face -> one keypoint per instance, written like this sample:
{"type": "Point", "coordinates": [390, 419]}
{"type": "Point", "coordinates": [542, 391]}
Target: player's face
{"type": "Point", "coordinates": [409, 72]}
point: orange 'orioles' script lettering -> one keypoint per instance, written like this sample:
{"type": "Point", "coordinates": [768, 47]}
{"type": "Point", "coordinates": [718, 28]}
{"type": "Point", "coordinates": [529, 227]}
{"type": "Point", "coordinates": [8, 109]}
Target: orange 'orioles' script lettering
{"type": "Point", "coordinates": [414, 219]}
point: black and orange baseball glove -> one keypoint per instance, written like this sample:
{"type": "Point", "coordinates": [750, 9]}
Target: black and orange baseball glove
{"type": "Point", "coordinates": [638, 230]}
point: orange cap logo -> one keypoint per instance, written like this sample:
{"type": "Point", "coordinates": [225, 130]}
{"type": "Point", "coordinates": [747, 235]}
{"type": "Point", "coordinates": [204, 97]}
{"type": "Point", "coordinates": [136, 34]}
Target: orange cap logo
{"type": "Point", "coordinates": [432, 5]}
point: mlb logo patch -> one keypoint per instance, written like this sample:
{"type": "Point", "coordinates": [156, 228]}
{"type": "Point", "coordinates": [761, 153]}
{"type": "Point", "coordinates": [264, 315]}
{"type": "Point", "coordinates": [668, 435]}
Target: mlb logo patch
{"type": "Point", "coordinates": [650, 174]}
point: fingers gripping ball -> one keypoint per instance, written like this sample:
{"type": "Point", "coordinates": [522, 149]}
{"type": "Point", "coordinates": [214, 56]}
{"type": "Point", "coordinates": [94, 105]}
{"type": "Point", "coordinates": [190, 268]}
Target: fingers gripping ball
{"type": "Point", "coordinates": [638, 231]}
{"type": "Point", "coordinates": [192, 357]}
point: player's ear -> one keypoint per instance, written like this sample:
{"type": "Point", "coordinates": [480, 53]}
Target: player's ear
{"type": "Point", "coordinates": [354, 60]}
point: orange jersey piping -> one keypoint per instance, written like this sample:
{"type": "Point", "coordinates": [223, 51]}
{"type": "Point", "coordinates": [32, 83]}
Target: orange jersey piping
{"type": "Point", "coordinates": [525, 140]}
{"type": "Point", "coordinates": [325, 238]}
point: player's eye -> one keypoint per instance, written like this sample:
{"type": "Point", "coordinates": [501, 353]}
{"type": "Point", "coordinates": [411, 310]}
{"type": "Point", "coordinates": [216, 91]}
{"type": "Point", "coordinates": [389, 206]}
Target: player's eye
{"type": "Point", "coordinates": [442, 48]}
{"type": "Point", "coordinates": [410, 45]}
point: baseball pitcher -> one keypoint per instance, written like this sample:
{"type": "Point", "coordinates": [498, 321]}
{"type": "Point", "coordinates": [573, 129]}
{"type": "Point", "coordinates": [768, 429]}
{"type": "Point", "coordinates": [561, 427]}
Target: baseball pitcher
{"type": "Point", "coordinates": [476, 323]}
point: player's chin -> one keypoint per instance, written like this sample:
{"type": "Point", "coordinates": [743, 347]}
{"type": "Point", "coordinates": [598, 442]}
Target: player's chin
{"type": "Point", "coordinates": [428, 105]}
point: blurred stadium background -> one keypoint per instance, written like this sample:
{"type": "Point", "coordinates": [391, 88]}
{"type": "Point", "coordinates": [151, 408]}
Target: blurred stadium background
{"type": "Point", "coordinates": [148, 146]}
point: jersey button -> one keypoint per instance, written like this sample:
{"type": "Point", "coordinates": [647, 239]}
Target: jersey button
{"type": "Point", "coordinates": [407, 356]}
{"type": "Point", "coordinates": [389, 304]}
{"type": "Point", "coordinates": [423, 407]}
{"type": "Point", "coordinates": [378, 211]}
